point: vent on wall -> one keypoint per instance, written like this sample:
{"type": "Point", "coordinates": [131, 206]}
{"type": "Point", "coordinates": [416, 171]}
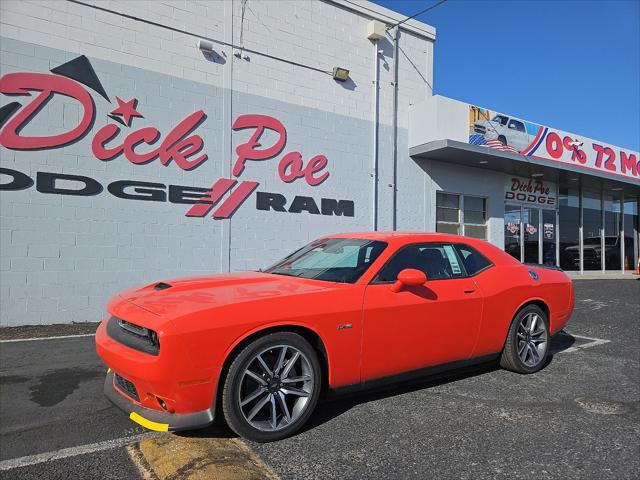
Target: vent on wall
{"type": "Point", "coordinates": [161, 286]}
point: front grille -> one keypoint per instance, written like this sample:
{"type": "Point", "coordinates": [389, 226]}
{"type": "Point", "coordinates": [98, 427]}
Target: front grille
{"type": "Point", "coordinates": [479, 129]}
{"type": "Point", "coordinates": [133, 336]}
{"type": "Point", "coordinates": [127, 387]}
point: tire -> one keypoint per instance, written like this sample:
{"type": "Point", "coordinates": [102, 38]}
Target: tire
{"type": "Point", "coordinates": [502, 139]}
{"type": "Point", "coordinates": [526, 351]}
{"type": "Point", "coordinates": [273, 379]}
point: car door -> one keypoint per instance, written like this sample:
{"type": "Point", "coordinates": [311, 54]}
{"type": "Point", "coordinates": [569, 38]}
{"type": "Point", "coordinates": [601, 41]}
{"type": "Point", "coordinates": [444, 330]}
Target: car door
{"type": "Point", "coordinates": [423, 326]}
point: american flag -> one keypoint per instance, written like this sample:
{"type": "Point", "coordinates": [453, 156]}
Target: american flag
{"type": "Point", "coordinates": [498, 145]}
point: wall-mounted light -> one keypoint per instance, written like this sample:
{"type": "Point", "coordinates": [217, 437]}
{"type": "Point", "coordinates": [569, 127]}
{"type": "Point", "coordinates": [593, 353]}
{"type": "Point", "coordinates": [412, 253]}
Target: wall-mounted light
{"type": "Point", "coordinates": [340, 74]}
{"type": "Point", "coordinates": [483, 162]}
{"type": "Point", "coordinates": [616, 189]}
{"type": "Point", "coordinates": [537, 175]}
{"type": "Point", "coordinates": [205, 45]}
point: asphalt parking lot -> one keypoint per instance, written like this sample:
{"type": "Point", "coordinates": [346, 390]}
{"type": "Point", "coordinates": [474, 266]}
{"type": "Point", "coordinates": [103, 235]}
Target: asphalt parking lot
{"type": "Point", "coordinates": [577, 418]}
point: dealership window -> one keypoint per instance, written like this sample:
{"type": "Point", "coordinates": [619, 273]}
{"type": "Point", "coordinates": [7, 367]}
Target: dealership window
{"type": "Point", "coordinates": [569, 226]}
{"type": "Point", "coordinates": [631, 226]}
{"type": "Point", "coordinates": [591, 229]}
{"type": "Point", "coordinates": [461, 215]}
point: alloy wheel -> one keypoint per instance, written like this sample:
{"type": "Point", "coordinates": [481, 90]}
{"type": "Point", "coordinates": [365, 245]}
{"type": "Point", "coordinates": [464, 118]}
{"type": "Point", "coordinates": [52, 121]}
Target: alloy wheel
{"type": "Point", "coordinates": [275, 388]}
{"type": "Point", "coordinates": [532, 339]}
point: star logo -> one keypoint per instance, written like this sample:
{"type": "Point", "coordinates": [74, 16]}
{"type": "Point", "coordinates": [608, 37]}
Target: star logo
{"type": "Point", "coordinates": [126, 110]}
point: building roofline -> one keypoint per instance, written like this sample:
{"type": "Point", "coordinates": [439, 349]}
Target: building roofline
{"type": "Point", "coordinates": [453, 151]}
{"type": "Point", "coordinates": [387, 16]}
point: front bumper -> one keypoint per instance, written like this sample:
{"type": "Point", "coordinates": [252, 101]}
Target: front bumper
{"type": "Point", "coordinates": [155, 419]}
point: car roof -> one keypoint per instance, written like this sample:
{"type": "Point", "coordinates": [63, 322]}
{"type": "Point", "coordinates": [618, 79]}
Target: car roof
{"type": "Point", "coordinates": [399, 238]}
{"type": "Point", "coordinates": [410, 236]}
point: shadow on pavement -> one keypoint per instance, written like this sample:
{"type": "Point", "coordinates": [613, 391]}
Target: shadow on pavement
{"type": "Point", "coordinates": [333, 407]}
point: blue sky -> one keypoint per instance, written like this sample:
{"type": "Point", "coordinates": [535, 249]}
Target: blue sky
{"type": "Point", "coordinates": [573, 65]}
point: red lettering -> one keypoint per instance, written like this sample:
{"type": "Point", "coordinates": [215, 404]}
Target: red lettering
{"type": "Point", "coordinates": [628, 162]}
{"type": "Point", "coordinates": [48, 85]}
{"type": "Point", "coordinates": [148, 135]}
{"type": "Point", "coordinates": [316, 165]}
{"type": "Point", "coordinates": [177, 148]}
{"type": "Point", "coordinates": [249, 150]}
{"type": "Point", "coordinates": [102, 137]}
{"type": "Point", "coordinates": [599, 150]}
{"type": "Point", "coordinates": [554, 145]}
{"type": "Point", "coordinates": [609, 163]}
{"type": "Point", "coordinates": [290, 167]}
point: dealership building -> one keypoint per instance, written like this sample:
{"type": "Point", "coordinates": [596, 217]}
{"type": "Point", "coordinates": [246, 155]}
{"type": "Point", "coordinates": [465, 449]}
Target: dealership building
{"type": "Point", "coordinates": [141, 141]}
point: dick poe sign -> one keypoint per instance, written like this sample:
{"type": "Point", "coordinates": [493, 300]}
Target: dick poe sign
{"type": "Point", "coordinates": [530, 191]}
{"type": "Point", "coordinates": [180, 147]}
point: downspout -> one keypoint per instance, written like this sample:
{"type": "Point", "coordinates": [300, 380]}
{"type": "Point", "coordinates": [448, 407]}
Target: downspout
{"type": "Point", "coordinates": [376, 118]}
{"type": "Point", "coordinates": [394, 185]}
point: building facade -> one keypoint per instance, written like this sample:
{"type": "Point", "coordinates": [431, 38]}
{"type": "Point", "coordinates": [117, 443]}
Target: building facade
{"type": "Point", "coordinates": [145, 140]}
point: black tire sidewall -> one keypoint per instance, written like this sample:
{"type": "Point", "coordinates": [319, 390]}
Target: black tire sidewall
{"type": "Point", "coordinates": [513, 338]}
{"type": "Point", "coordinates": [231, 408]}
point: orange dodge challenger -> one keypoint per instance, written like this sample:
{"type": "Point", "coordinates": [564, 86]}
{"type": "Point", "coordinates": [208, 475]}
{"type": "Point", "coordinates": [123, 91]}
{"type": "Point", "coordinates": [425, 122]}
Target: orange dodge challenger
{"type": "Point", "coordinates": [346, 310]}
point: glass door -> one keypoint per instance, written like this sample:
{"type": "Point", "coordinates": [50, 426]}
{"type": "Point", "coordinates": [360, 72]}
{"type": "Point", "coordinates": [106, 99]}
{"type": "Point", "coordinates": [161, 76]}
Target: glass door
{"type": "Point", "coordinates": [538, 229]}
{"type": "Point", "coordinates": [549, 237]}
{"type": "Point", "coordinates": [512, 225]}
{"type": "Point", "coordinates": [531, 226]}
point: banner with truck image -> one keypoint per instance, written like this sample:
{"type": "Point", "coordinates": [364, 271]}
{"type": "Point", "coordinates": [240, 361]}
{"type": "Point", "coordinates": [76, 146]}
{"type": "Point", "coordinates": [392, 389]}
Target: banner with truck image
{"type": "Point", "coordinates": [510, 134]}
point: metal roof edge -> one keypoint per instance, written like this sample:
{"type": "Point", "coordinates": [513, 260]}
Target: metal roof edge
{"type": "Point", "coordinates": [387, 16]}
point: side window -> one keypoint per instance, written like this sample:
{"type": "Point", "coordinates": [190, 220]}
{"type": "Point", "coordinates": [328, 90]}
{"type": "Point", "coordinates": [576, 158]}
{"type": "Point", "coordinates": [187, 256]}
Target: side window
{"type": "Point", "coordinates": [472, 260]}
{"type": "Point", "coordinates": [438, 262]}
{"type": "Point", "coordinates": [516, 125]}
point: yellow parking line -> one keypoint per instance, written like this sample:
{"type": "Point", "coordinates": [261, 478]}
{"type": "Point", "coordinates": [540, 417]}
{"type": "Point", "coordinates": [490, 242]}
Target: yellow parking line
{"type": "Point", "coordinates": [193, 458]}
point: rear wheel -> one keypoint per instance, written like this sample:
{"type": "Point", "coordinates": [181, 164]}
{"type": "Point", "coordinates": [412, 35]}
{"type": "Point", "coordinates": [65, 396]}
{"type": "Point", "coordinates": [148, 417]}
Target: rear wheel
{"type": "Point", "coordinates": [272, 387]}
{"type": "Point", "coordinates": [527, 346]}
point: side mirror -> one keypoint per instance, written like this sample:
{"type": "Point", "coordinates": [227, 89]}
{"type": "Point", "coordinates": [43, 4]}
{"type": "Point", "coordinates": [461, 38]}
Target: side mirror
{"type": "Point", "coordinates": [409, 277]}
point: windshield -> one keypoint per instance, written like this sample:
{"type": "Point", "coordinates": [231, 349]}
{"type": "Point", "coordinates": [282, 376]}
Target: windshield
{"type": "Point", "coordinates": [501, 119]}
{"type": "Point", "coordinates": [608, 240]}
{"type": "Point", "coordinates": [341, 260]}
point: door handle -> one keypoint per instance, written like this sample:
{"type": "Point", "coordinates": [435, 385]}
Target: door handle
{"type": "Point", "coordinates": [469, 291]}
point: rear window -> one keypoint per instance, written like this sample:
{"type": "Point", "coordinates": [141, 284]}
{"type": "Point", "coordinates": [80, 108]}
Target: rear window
{"type": "Point", "coordinates": [472, 260]}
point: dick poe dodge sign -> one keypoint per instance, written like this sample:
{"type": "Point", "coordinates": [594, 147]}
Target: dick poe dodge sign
{"type": "Point", "coordinates": [530, 191]}
{"type": "Point", "coordinates": [181, 147]}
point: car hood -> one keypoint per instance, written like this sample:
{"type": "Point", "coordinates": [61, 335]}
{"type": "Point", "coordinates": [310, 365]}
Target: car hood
{"type": "Point", "coordinates": [177, 297]}
{"type": "Point", "coordinates": [585, 247]}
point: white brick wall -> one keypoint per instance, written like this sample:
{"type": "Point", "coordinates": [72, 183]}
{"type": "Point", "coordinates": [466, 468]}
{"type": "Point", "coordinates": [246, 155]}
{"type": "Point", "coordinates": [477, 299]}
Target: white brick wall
{"type": "Point", "coordinates": [62, 256]}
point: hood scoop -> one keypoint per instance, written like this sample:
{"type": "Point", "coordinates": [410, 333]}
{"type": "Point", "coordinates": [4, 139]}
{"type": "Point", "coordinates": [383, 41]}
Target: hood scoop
{"type": "Point", "coordinates": [161, 286]}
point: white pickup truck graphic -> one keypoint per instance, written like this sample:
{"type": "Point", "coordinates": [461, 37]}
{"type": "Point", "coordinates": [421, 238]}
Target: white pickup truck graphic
{"type": "Point", "coordinates": [508, 130]}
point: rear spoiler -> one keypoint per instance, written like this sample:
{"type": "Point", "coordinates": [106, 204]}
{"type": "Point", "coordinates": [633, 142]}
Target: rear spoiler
{"type": "Point", "coordinates": [547, 267]}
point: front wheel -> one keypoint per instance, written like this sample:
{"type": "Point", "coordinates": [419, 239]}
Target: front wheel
{"type": "Point", "coordinates": [527, 346]}
{"type": "Point", "coordinates": [272, 387]}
